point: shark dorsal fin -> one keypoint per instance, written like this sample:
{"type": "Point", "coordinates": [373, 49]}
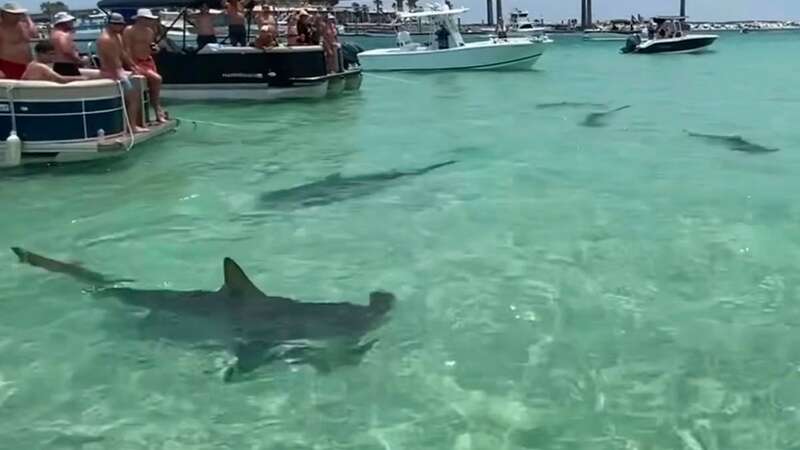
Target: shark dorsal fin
{"type": "Point", "coordinates": [236, 282]}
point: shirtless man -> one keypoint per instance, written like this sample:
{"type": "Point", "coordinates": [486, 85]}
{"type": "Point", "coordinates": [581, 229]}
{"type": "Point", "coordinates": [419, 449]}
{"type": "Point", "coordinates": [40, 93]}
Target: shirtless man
{"type": "Point", "coordinates": [139, 42]}
{"type": "Point", "coordinates": [67, 59]}
{"type": "Point", "coordinates": [16, 32]}
{"type": "Point", "coordinates": [204, 24]}
{"type": "Point", "coordinates": [40, 69]}
{"type": "Point", "coordinates": [236, 31]}
{"type": "Point", "coordinates": [112, 53]}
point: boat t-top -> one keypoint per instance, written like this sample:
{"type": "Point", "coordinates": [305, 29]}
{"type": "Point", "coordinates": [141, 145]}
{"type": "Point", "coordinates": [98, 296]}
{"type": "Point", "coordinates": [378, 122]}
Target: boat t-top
{"type": "Point", "coordinates": [668, 35]}
{"type": "Point", "coordinates": [447, 50]}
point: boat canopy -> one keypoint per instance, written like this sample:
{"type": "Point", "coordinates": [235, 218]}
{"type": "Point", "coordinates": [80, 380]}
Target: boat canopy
{"type": "Point", "coordinates": [660, 19]}
{"type": "Point", "coordinates": [432, 13]}
{"type": "Point", "coordinates": [135, 4]}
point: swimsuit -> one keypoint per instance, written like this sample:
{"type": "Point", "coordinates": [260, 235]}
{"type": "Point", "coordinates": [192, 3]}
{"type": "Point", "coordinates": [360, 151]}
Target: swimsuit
{"type": "Point", "coordinates": [203, 40]}
{"type": "Point", "coordinates": [237, 34]}
{"type": "Point", "coordinates": [66, 69]}
{"type": "Point", "coordinates": [146, 65]}
{"type": "Point", "coordinates": [12, 70]}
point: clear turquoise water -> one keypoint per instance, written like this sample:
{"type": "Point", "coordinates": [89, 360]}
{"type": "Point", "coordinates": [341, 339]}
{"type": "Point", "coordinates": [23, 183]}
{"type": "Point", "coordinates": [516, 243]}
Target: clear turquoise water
{"type": "Point", "coordinates": [560, 287]}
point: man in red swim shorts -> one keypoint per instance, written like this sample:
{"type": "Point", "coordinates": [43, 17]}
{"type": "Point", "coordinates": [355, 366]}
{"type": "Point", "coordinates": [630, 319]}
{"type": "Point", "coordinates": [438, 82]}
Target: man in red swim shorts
{"type": "Point", "coordinates": [16, 32]}
{"type": "Point", "coordinates": [139, 39]}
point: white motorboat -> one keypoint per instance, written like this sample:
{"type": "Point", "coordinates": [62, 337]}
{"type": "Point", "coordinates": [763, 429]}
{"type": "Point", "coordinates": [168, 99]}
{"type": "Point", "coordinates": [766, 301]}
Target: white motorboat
{"type": "Point", "coordinates": [671, 35]}
{"type": "Point", "coordinates": [519, 25]}
{"type": "Point", "coordinates": [447, 49]}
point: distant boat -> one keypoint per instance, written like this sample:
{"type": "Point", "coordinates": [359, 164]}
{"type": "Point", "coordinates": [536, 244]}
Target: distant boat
{"type": "Point", "coordinates": [671, 36]}
{"type": "Point", "coordinates": [448, 51]}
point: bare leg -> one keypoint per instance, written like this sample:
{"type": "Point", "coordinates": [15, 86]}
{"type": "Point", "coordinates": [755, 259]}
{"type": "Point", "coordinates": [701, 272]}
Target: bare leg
{"type": "Point", "coordinates": [154, 83]}
{"type": "Point", "coordinates": [133, 103]}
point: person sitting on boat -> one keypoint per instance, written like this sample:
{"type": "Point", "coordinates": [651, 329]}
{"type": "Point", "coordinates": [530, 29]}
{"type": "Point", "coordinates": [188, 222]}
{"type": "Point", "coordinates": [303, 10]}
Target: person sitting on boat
{"type": "Point", "coordinates": [443, 37]}
{"type": "Point", "coordinates": [40, 69]}
{"type": "Point", "coordinates": [236, 31]}
{"type": "Point", "coordinates": [112, 54]}
{"type": "Point", "coordinates": [265, 39]}
{"type": "Point", "coordinates": [204, 24]}
{"type": "Point", "coordinates": [67, 59]}
{"type": "Point", "coordinates": [16, 33]}
{"type": "Point", "coordinates": [139, 42]}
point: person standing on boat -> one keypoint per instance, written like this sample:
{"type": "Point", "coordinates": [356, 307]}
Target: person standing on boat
{"type": "Point", "coordinates": [304, 31]}
{"type": "Point", "coordinates": [291, 30]}
{"type": "Point", "coordinates": [40, 68]}
{"type": "Point", "coordinates": [139, 42]}
{"type": "Point", "coordinates": [236, 31]}
{"type": "Point", "coordinates": [16, 33]}
{"type": "Point", "coordinates": [112, 54]}
{"type": "Point", "coordinates": [443, 37]}
{"type": "Point", "coordinates": [67, 59]}
{"type": "Point", "coordinates": [204, 24]}
{"type": "Point", "coordinates": [330, 44]}
{"type": "Point", "coordinates": [267, 19]}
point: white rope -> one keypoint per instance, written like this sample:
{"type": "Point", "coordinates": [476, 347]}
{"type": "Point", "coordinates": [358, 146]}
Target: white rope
{"type": "Point", "coordinates": [216, 124]}
{"type": "Point", "coordinates": [126, 116]}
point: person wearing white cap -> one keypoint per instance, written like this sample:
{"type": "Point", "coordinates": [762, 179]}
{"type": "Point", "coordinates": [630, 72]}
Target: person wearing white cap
{"type": "Point", "coordinates": [139, 40]}
{"type": "Point", "coordinates": [67, 60]}
{"type": "Point", "coordinates": [16, 33]}
{"type": "Point", "coordinates": [112, 54]}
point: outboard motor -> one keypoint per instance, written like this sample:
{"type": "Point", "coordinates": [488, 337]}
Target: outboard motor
{"type": "Point", "coordinates": [350, 53]}
{"type": "Point", "coordinates": [630, 45]}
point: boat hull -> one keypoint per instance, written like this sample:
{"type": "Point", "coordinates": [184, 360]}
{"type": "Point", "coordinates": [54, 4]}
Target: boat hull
{"type": "Point", "coordinates": [689, 44]}
{"type": "Point", "coordinates": [245, 73]}
{"type": "Point", "coordinates": [511, 54]}
{"type": "Point", "coordinates": [79, 121]}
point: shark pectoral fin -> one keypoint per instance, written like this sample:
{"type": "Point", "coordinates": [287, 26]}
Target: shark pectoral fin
{"type": "Point", "coordinates": [237, 283]}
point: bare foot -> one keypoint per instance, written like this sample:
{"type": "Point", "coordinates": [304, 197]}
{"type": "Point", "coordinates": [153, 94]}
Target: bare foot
{"type": "Point", "coordinates": [162, 116]}
{"type": "Point", "coordinates": [140, 129]}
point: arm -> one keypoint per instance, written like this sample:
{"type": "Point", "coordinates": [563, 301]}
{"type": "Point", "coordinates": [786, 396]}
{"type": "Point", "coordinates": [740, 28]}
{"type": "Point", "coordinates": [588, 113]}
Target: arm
{"type": "Point", "coordinates": [29, 28]}
{"type": "Point", "coordinates": [126, 40]}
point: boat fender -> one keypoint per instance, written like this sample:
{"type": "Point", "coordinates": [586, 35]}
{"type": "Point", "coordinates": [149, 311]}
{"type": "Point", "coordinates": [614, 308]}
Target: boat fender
{"type": "Point", "coordinates": [11, 155]}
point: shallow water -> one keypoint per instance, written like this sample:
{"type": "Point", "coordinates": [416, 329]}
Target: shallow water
{"type": "Point", "coordinates": [624, 286]}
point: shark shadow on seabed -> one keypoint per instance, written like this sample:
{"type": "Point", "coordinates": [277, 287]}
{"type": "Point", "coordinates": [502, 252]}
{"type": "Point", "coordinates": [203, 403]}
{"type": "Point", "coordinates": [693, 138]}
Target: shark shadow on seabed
{"type": "Point", "coordinates": [256, 328]}
{"type": "Point", "coordinates": [598, 119]}
{"type": "Point", "coordinates": [337, 188]}
{"type": "Point", "coordinates": [733, 143]}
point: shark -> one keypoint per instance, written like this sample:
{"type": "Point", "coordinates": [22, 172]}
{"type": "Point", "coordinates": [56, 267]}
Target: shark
{"type": "Point", "coordinates": [337, 188]}
{"type": "Point", "coordinates": [256, 328]}
{"type": "Point", "coordinates": [570, 105]}
{"type": "Point", "coordinates": [733, 143]}
{"type": "Point", "coordinates": [597, 119]}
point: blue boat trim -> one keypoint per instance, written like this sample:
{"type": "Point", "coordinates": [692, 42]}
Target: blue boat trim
{"type": "Point", "coordinates": [63, 120]}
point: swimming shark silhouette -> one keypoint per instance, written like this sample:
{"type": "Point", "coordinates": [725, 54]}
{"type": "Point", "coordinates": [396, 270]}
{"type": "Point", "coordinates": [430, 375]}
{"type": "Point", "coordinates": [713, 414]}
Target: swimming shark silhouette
{"type": "Point", "coordinates": [257, 328]}
{"type": "Point", "coordinates": [733, 143]}
{"type": "Point", "coordinates": [336, 188]}
{"type": "Point", "coordinates": [570, 105]}
{"type": "Point", "coordinates": [595, 120]}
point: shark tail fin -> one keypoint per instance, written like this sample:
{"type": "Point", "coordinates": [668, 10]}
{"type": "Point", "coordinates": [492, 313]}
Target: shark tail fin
{"type": "Point", "coordinates": [435, 166]}
{"type": "Point", "coordinates": [381, 301]}
{"type": "Point", "coordinates": [236, 282]}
